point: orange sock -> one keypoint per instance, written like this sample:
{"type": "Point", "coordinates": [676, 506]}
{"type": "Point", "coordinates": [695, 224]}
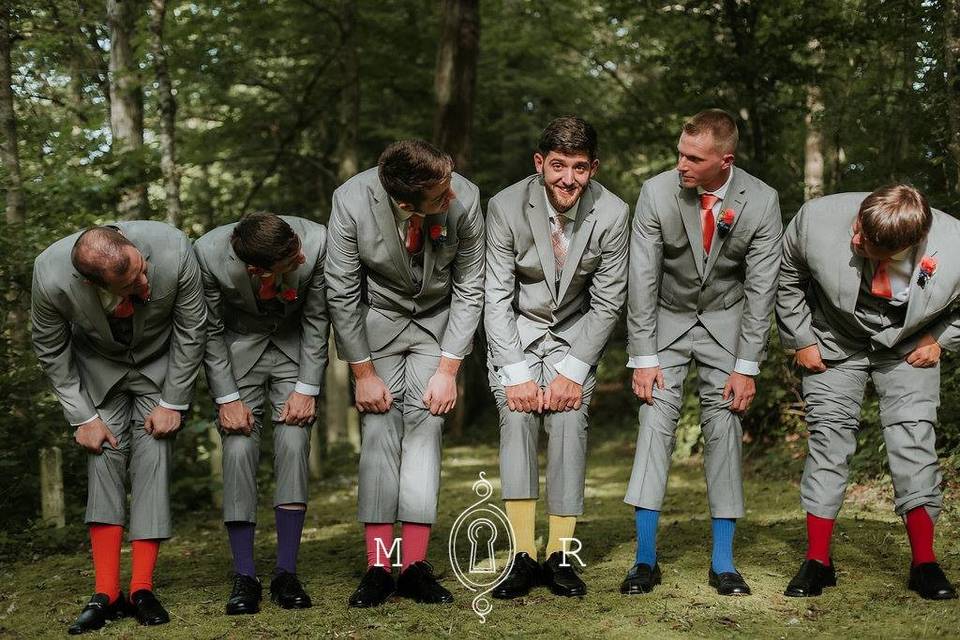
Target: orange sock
{"type": "Point", "coordinates": [144, 560]}
{"type": "Point", "coordinates": [105, 542]}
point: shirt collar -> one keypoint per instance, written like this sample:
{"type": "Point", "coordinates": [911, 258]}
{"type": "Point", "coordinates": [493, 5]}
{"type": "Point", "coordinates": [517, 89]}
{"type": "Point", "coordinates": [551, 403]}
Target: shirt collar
{"type": "Point", "coordinates": [402, 215]}
{"type": "Point", "coordinates": [906, 254]}
{"type": "Point", "coordinates": [722, 191]}
{"type": "Point", "coordinates": [569, 214]}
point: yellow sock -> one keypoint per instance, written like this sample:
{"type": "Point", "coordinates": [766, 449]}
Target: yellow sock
{"type": "Point", "coordinates": [523, 515]}
{"type": "Point", "coordinates": [560, 527]}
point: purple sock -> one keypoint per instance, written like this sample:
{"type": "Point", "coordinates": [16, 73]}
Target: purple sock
{"type": "Point", "coordinates": [289, 529]}
{"type": "Point", "coordinates": [241, 544]}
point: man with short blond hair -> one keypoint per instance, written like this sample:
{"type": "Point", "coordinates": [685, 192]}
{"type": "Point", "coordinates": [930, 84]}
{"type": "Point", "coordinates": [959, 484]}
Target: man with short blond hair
{"type": "Point", "coordinates": [867, 291]}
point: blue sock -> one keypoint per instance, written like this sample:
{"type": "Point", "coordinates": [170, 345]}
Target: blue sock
{"type": "Point", "coordinates": [722, 558]}
{"type": "Point", "coordinates": [241, 545]}
{"type": "Point", "coordinates": [647, 521]}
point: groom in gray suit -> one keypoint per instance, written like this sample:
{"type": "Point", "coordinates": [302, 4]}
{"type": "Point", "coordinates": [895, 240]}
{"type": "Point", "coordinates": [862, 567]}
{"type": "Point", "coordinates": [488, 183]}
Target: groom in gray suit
{"type": "Point", "coordinates": [405, 272]}
{"type": "Point", "coordinates": [266, 324]}
{"type": "Point", "coordinates": [118, 326]}
{"type": "Point", "coordinates": [556, 281]}
{"type": "Point", "coordinates": [704, 256]}
{"type": "Point", "coordinates": [868, 290]}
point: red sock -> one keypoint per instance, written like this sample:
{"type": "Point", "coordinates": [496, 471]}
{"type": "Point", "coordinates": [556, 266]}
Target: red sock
{"type": "Point", "coordinates": [920, 532]}
{"type": "Point", "coordinates": [819, 532]}
{"type": "Point", "coordinates": [416, 538]}
{"type": "Point", "coordinates": [379, 538]}
{"type": "Point", "coordinates": [144, 560]}
{"type": "Point", "coordinates": [105, 542]}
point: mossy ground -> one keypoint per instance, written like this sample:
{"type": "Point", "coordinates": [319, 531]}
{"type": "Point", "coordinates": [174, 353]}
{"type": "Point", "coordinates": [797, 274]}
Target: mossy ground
{"type": "Point", "coordinates": [40, 595]}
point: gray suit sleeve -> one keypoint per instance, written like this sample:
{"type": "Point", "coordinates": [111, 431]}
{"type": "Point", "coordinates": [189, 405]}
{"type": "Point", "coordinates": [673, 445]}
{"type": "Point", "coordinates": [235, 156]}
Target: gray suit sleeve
{"type": "Point", "coordinates": [51, 342]}
{"type": "Point", "coordinates": [760, 283]}
{"type": "Point", "coordinates": [343, 272]}
{"type": "Point", "coordinates": [466, 304]}
{"type": "Point", "coordinates": [793, 310]}
{"type": "Point", "coordinates": [189, 337]}
{"type": "Point", "coordinates": [946, 330]}
{"type": "Point", "coordinates": [646, 265]}
{"type": "Point", "coordinates": [314, 325]}
{"type": "Point", "coordinates": [499, 318]}
{"type": "Point", "coordinates": [216, 358]}
{"type": "Point", "coordinates": [608, 291]}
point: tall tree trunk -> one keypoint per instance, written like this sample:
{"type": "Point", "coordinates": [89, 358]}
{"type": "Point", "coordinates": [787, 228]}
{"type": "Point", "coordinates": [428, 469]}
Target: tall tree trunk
{"type": "Point", "coordinates": [168, 113]}
{"type": "Point", "coordinates": [16, 204]}
{"type": "Point", "coordinates": [126, 99]}
{"type": "Point", "coordinates": [951, 61]}
{"type": "Point", "coordinates": [456, 78]}
{"type": "Point", "coordinates": [813, 147]}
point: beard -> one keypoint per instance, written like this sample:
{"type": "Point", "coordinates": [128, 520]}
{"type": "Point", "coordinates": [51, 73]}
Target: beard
{"type": "Point", "coordinates": [562, 200]}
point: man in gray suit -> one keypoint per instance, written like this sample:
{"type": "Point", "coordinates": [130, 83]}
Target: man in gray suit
{"type": "Point", "coordinates": [118, 326]}
{"type": "Point", "coordinates": [868, 290]}
{"type": "Point", "coordinates": [556, 281]}
{"type": "Point", "coordinates": [405, 272]}
{"type": "Point", "coordinates": [704, 256]}
{"type": "Point", "coordinates": [266, 325]}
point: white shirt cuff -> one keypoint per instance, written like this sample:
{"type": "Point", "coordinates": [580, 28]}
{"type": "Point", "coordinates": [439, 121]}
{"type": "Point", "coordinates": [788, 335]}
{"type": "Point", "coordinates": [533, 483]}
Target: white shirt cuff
{"type": "Point", "coordinates": [450, 356]}
{"type": "Point", "coordinates": [747, 367]}
{"type": "Point", "coordinates": [516, 373]}
{"type": "Point", "coordinates": [367, 359]}
{"type": "Point", "coordinates": [80, 424]}
{"type": "Point", "coordinates": [643, 362]}
{"type": "Point", "coordinates": [307, 389]}
{"type": "Point", "coordinates": [230, 397]}
{"type": "Point", "coordinates": [174, 407]}
{"type": "Point", "coordinates": [573, 369]}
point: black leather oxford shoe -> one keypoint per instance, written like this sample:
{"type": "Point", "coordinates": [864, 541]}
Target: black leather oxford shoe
{"type": "Point", "coordinates": [418, 583]}
{"type": "Point", "coordinates": [641, 578]}
{"type": "Point", "coordinates": [929, 581]}
{"type": "Point", "coordinates": [562, 580]}
{"type": "Point", "coordinates": [374, 589]}
{"type": "Point", "coordinates": [286, 591]}
{"type": "Point", "coordinates": [148, 609]}
{"type": "Point", "coordinates": [728, 583]}
{"type": "Point", "coordinates": [524, 575]}
{"type": "Point", "coordinates": [810, 580]}
{"type": "Point", "coordinates": [245, 596]}
{"type": "Point", "coordinates": [96, 613]}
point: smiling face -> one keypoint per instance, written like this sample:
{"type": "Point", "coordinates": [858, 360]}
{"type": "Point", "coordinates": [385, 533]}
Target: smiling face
{"type": "Point", "coordinates": [700, 163]}
{"type": "Point", "coordinates": [565, 176]}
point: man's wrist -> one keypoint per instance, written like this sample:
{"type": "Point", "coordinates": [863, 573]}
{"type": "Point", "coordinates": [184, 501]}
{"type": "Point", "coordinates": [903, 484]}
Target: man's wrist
{"type": "Point", "coordinates": [363, 369]}
{"type": "Point", "coordinates": [448, 366]}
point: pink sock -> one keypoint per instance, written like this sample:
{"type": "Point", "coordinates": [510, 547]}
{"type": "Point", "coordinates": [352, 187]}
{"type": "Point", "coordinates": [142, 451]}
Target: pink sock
{"type": "Point", "coordinates": [416, 538]}
{"type": "Point", "coordinates": [378, 555]}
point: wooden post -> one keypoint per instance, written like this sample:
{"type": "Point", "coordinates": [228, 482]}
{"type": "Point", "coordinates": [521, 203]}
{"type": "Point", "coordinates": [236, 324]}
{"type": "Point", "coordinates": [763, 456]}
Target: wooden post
{"type": "Point", "coordinates": [51, 487]}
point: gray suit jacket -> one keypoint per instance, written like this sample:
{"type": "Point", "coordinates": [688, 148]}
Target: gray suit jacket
{"type": "Point", "coordinates": [372, 295]}
{"type": "Point", "coordinates": [238, 331]}
{"type": "Point", "coordinates": [71, 333]}
{"type": "Point", "coordinates": [671, 288]}
{"type": "Point", "coordinates": [523, 298]}
{"type": "Point", "coordinates": [820, 283]}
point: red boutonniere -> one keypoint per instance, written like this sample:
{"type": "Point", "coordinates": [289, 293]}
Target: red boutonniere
{"type": "Point", "coordinates": [725, 222]}
{"type": "Point", "coordinates": [928, 266]}
{"type": "Point", "coordinates": [438, 234]}
{"type": "Point", "coordinates": [269, 288]}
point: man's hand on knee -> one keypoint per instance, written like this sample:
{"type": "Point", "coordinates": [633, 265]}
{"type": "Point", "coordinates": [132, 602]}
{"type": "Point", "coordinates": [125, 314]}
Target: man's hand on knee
{"type": "Point", "coordinates": [372, 395]}
{"type": "Point", "coordinates": [562, 394]}
{"type": "Point", "coordinates": [299, 409]}
{"type": "Point", "coordinates": [93, 434]}
{"type": "Point", "coordinates": [162, 422]}
{"type": "Point", "coordinates": [742, 388]}
{"type": "Point", "coordinates": [526, 397]}
{"type": "Point", "coordinates": [926, 354]}
{"type": "Point", "coordinates": [808, 358]}
{"type": "Point", "coordinates": [235, 417]}
{"type": "Point", "coordinates": [643, 381]}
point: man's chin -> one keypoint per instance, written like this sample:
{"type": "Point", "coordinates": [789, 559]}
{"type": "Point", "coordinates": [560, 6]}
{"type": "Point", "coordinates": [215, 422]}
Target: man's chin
{"type": "Point", "coordinates": [563, 201]}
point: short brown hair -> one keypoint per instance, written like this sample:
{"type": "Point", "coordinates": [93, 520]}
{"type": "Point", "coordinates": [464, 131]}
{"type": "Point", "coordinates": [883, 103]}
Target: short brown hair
{"type": "Point", "coordinates": [569, 135]}
{"type": "Point", "coordinates": [895, 217]}
{"type": "Point", "coordinates": [263, 239]}
{"type": "Point", "coordinates": [719, 124]}
{"type": "Point", "coordinates": [409, 167]}
{"type": "Point", "coordinates": [99, 251]}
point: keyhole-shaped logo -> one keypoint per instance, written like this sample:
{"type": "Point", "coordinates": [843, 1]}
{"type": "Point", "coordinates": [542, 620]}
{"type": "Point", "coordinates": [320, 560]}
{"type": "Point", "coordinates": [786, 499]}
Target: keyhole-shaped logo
{"type": "Point", "coordinates": [489, 563]}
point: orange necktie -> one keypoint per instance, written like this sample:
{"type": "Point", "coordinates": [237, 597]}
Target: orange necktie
{"type": "Point", "coordinates": [414, 234]}
{"type": "Point", "coordinates": [880, 286]}
{"type": "Point", "coordinates": [707, 200]}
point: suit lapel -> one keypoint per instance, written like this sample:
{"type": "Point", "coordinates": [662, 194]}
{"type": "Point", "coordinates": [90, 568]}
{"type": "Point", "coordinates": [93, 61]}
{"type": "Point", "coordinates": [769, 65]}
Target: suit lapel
{"type": "Point", "coordinates": [690, 214]}
{"type": "Point", "coordinates": [850, 275]}
{"type": "Point", "coordinates": [240, 278]}
{"type": "Point", "coordinates": [540, 226]}
{"type": "Point", "coordinates": [140, 309]}
{"type": "Point", "coordinates": [428, 248]}
{"type": "Point", "coordinates": [735, 198]}
{"type": "Point", "coordinates": [383, 214]}
{"type": "Point", "coordinates": [582, 229]}
{"type": "Point", "coordinates": [88, 300]}
{"type": "Point", "coordinates": [919, 298]}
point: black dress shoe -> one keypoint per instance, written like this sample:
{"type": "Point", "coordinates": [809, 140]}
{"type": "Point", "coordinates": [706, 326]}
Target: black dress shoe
{"type": "Point", "coordinates": [810, 580]}
{"type": "Point", "coordinates": [562, 581]}
{"type": "Point", "coordinates": [929, 581]}
{"type": "Point", "coordinates": [245, 596]}
{"type": "Point", "coordinates": [641, 578]}
{"type": "Point", "coordinates": [97, 612]}
{"type": "Point", "coordinates": [523, 576]}
{"type": "Point", "coordinates": [286, 591]}
{"type": "Point", "coordinates": [374, 589]}
{"type": "Point", "coordinates": [148, 609]}
{"type": "Point", "coordinates": [418, 583]}
{"type": "Point", "coordinates": [729, 583]}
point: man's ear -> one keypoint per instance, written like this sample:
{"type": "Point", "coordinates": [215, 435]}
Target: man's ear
{"type": "Point", "coordinates": [594, 166]}
{"type": "Point", "coordinates": [727, 160]}
{"type": "Point", "coordinates": [538, 162]}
